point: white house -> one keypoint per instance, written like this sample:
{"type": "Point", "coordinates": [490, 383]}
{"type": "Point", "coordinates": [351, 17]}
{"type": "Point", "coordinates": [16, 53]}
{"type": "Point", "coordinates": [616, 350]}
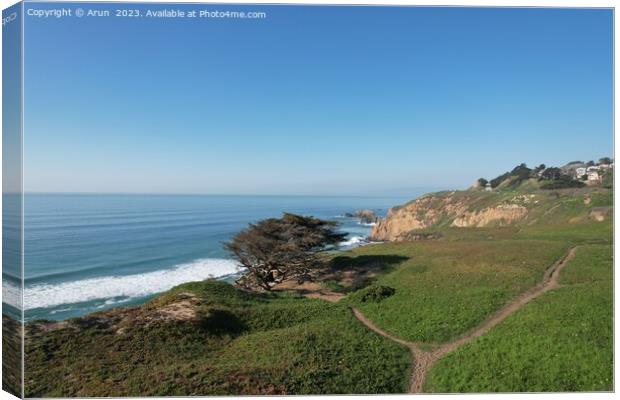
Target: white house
{"type": "Point", "coordinates": [593, 168]}
{"type": "Point", "coordinates": [581, 171]}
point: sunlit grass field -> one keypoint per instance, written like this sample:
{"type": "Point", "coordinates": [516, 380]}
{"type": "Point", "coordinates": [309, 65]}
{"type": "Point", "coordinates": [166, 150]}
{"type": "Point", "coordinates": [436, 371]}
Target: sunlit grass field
{"type": "Point", "coordinates": [445, 288]}
{"type": "Point", "coordinates": [562, 341]}
{"type": "Point", "coordinates": [238, 344]}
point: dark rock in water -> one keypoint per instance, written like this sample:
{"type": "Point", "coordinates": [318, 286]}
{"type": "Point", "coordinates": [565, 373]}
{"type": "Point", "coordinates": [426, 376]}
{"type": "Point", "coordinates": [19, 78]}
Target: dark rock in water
{"type": "Point", "coordinates": [367, 216]}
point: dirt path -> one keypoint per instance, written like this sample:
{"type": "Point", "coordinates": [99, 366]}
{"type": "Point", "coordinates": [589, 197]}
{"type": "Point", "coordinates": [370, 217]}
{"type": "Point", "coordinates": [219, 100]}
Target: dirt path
{"type": "Point", "coordinates": [311, 290]}
{"type": "Point", "coordinates": [423, 360]}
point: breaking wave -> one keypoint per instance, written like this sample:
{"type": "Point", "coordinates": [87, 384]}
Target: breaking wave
{"type": "Point", "coordinates": [127, 286]}
{"type": "Point", "coordinates": [11, 294]}
{"type": "Point", "coordinates": [354, 241]}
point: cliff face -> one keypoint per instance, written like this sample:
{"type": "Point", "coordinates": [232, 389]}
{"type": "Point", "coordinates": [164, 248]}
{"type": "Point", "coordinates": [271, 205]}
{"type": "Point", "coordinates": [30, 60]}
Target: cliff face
{"type": "Point", "coordinates": [503, 214]}
{"type": "Point", "coordinates": [457, 209]}
{"type": "Point", "coordinates": [419, 214]}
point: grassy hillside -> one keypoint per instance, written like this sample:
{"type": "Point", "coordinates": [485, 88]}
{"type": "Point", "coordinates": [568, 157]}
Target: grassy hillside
{"type": "Point", "coordinates": [209, 338]}
{"type": "Point", "coordinates": [447, 287]}
{"type": "Point", "coordinates": [476, 208]}
{"type": "Point", "coordinates": [562, 341]}
{"type": "Point", "coordinates": [544, 207]}
{"type": "Point", "coordinates": [11, 355]}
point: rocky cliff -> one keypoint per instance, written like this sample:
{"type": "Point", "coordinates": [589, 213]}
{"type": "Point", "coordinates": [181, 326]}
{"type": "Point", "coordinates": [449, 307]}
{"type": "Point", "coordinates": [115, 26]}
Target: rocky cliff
{"type": "Point", "coordinates": [458, 208]}
{"type": "Point", "coordinates": [503, 214]}
{"type": "Point", "coordinates": [476, 208]}
{"type": "Point", "coordinates": [419, 214]}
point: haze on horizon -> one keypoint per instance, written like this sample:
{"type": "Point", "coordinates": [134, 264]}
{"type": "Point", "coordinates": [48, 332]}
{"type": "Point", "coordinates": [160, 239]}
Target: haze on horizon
{"type": "Point", "coordinates": [313, 100]}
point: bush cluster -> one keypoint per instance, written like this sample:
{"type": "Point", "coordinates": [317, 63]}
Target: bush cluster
{"type": "Point", "coordinates": [375, 293]}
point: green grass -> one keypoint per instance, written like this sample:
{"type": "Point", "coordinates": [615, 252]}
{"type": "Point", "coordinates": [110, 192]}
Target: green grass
{"type": "Point", "coordinates": [447, 287]}
{"type": "Point", "coordinates": [11, 355]}
{"type": "Point", "coordinates": [562, 341]}
{"type": "Point", "coordinates": [334, 286]}
{"type": "Point", "coordinates": [238, 344]}
{"type": "Point", "coordinates": [560, 207]}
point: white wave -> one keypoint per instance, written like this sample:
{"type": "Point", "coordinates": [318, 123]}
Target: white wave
{"type": "Point", "coordinates": [367, 223]}
{"type": "Point", "coordinates": [354, 241]}
{"type": "Point", "coordinates": [61, 310]}
{"type": "Point", "coordinates": [114, 301]}
{"type": "Point", "coordinates": [11, 294]}
{"type": "Point", "coordinates": [128, 286]}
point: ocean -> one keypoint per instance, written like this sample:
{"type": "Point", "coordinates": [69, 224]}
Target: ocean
{"type": "Point", "coordinates": [88, 252]}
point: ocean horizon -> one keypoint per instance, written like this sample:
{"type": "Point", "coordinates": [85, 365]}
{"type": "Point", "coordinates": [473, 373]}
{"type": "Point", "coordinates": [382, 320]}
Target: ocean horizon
{"type": "Point", "coordinates": [87, 252]}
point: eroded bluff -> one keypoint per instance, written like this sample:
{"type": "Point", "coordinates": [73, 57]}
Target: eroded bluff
{"type": "Point", "coordinates": [450, 209]}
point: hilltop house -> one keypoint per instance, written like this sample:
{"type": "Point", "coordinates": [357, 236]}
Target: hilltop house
{"type": "Point", "coordinates": [593, 168]}
{"type": "Point", "coordinates": [581, 171]}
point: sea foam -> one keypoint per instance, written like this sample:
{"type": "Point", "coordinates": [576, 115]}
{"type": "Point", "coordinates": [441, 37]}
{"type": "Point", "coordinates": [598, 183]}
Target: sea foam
{"type": "Point", "coordinates": [354, 241]}
{"type": "Point", "coordinates": [128, 286]}
{"type": "Point", "coordinates": [11, 294]}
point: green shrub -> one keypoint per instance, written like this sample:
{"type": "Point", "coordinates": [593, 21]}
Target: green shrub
{"type": "Point", "coordinates": [563, 182]}
{"type": "Point", "coordinates": [375, 293]}
{"type": "Point", "coordinates": [518, 174]}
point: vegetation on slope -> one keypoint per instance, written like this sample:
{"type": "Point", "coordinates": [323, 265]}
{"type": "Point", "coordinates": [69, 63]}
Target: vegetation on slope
{"type": "Point", "coordinates": [11, 355]}
{"type": "Point", "coordinates": [208, 338]}
{"type": "Point", "coordinates": [562, 341]}
{"type": "Point", "coordinates": [549, 178]}
{"type": "Point", "coordinates": [447, 287]}
{"type": "Point", "coordinates": [436, 212]}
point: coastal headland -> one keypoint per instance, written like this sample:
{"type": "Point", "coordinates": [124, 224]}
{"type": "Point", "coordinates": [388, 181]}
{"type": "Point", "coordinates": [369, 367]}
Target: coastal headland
{"type": "Point", "coordinates": [477, 290]}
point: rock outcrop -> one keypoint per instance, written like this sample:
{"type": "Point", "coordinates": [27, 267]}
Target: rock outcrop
{"type": "Point", "coordinates": [365, 216]}
{"type": "Point", "coordinates": [419, 214]}
{"type": "Point", "coordinates": [457, 209]}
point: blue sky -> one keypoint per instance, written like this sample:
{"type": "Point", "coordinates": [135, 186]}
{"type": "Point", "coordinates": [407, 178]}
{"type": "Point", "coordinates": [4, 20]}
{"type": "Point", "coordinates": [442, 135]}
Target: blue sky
{"type": "Point", "coordinates": [323, 100]}
{"type": "Point", "coordinates": [11, 106]}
